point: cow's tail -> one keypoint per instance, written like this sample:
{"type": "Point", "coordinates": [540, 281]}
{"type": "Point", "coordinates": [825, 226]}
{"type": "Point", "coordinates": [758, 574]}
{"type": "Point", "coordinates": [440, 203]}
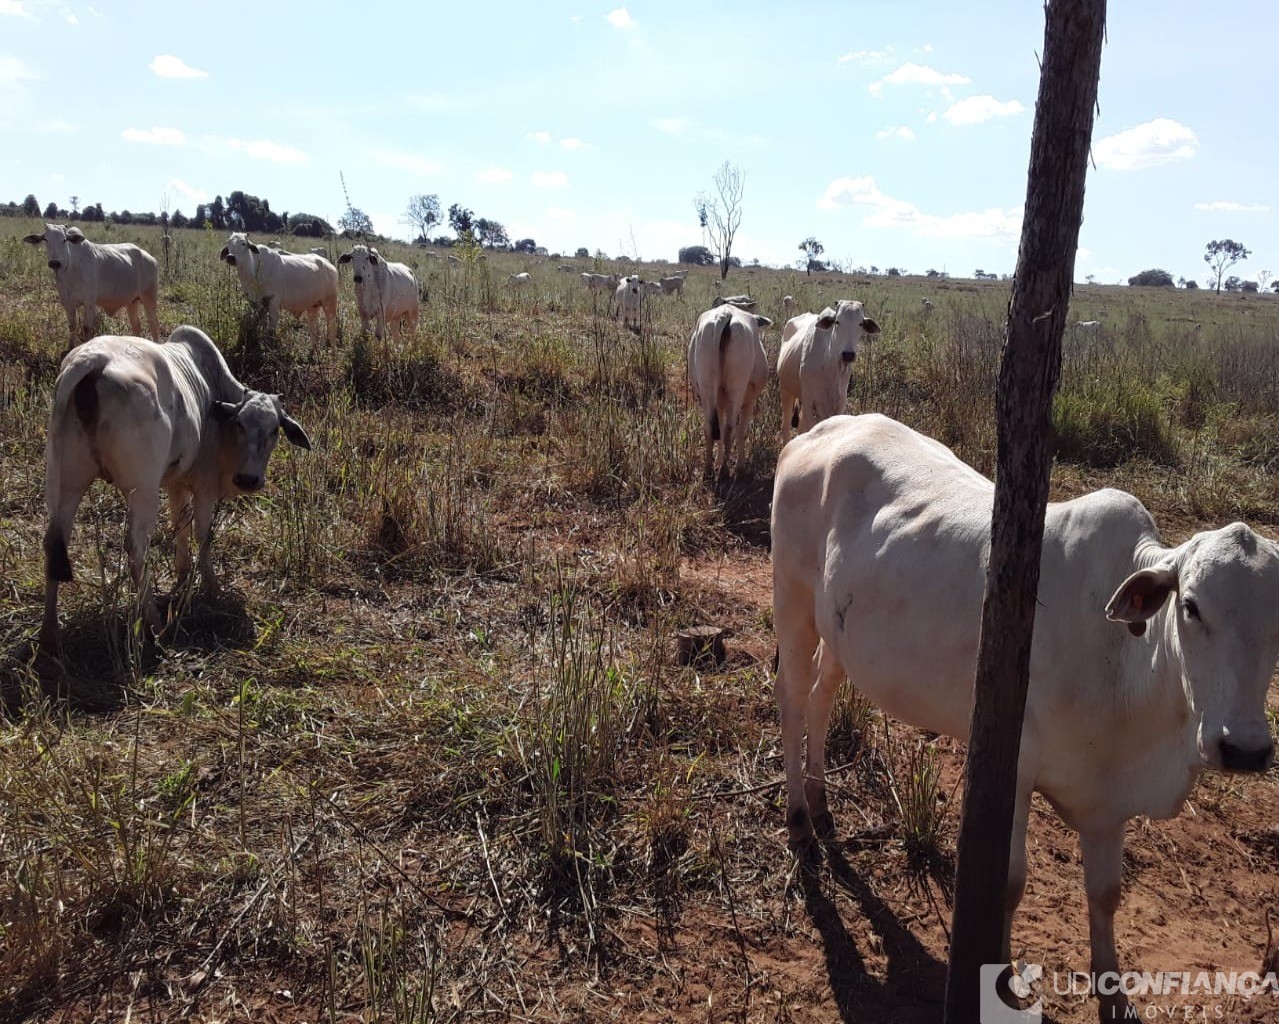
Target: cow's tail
{"type": "Point", "coordinates": [76, 394]}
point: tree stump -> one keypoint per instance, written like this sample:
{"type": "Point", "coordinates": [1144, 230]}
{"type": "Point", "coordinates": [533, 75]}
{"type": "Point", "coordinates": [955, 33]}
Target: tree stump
{"type": "Point", "coordinates": [700, 646]}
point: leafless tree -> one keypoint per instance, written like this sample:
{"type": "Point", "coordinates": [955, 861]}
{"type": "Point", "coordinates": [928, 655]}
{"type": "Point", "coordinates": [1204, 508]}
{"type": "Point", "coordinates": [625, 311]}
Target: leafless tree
{"type": "Point", "coordinates": [720, 212]}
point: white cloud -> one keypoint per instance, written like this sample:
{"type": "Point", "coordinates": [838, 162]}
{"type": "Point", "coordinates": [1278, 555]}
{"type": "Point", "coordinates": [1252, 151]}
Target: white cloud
{"type": "Point", "coordinates": [406, 161]}
{"type": "Point", "coordinates": [494, 176]}
{"type": "Point", "coordinates": [1226, 206]}
{"type": "Point", "coordinates": [620, 18]}
{"type": "Point", "coordinates": [189, 193]}
{"type": "Point", "coordinates": [58, 126]}
{"type": "Point", "coordinates": [901, 133]}
{"type": "Point", "coordinates": [13, 71]}
{"type": "Point", "coordinates": [574, 143]}
{"type": "Point", "coordinates": [168, 66]}
{"type": "Point", "coordinates": [917, 74]}
{"type": "Point", "coordinates": [155, 136]}
{"type": "Point", "coordinates": [1161, 141]}
{"type": "Point", "coordinates": [69, 17]}
{"type": "Point", "coordinates": [886, 212]}
{"type": "Point", "coordinates": [863, 57]}
{"type": "Point", "coordinates": [671, 125]}
{"type": "Point", "coordinates": [542, 137]}
{"type": "Point", "coordinates": [976, 109]}
{"type": "Point", "coordinates": [264, 149]}
{"type": "Point", "coordinates": [575, 18]}
{"type": "Point", "coordinates": [559, 213]}
{"type": "Point", "coordinates": [15, 9]}
{"type": "Point", "coordinates": [550, 179]}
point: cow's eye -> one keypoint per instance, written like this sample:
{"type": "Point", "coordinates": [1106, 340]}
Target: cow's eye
{"type": "Point", "coordinates": [1191, 608]}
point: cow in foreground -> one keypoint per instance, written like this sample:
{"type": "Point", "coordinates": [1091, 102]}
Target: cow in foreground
{"type": "Point", "coordinates": [815, 363]}
{"type": "Point", "coordinates": [728, 370]}
{"type": "Point", "coordinates": [1149, 663]}
{"type": "Point", "coordinates": [301, 284]}
{"type": "Point", "coordinates": [144, 417]}
{"type": "Point", "coordinates": [93, 275]}
{"type": "Point", "coordinates": [384, 292]}
{"type": "Point", "coordinates": [629, 299]}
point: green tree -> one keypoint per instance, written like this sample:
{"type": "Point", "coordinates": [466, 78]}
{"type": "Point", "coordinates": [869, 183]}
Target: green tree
{"type": "Point", "coordinates": [582, 253]}
{"type": "Point", "coordinates": [461, 220]}
{"type": "Point", "coordinates": [1221, 255]}
{"type": "Point", "coordinates": [355, 222]}
{"type": "Point", "coordinates": [423, 213]}
{"type": "Point", "coordinates": [698, 255]}
{"type": "Point", "coordinates": [491, 234]}
{"type": "Point", "coordinates": [811, 248]}
{"type": "Point", "coordinates": [1152, 279]}
{"type": "Point", "coordinates": [30, 206]}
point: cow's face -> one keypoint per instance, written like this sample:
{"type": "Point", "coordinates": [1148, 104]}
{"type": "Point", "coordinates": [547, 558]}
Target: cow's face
{"type": "Point", "coordinates": [850, 327]}
{"type": "Point", "coordinates": [58, 242]}
{"type": "Point", "coordinates": [240, 252]}
{"type": "Point", "coordinates": [250, 430]}
{"type": "Point", "coordinates": [1221, 632]}
{"type": "Point", "coordinates": [363, 260]}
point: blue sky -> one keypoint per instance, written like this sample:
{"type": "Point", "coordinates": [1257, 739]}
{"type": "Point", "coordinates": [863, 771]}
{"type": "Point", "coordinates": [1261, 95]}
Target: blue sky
{"type": "Point", "coordinates": [897, 133]}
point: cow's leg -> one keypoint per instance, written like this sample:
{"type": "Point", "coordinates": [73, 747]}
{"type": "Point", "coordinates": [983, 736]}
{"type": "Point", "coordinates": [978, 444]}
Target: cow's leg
{"type": "Point", "coordinates": [1103, 853]}
{"type": "Point", "coordinates": [144, 512]}
{"type": "Point", "coordinates": [710, 425]}
{"type": "Point", "coordinates": [57, 564]}
{"type": "Point", "coordinates": [203, 521]}
{"type": "Point", "coordinates": [744, 429]}
{"type": "Point", "coordinates": [796, 649]}
{"type": "Point", "coordinates": [135, 317]}
{"type": "Point", "coordinates": [331, 321]}
{"type": "Point", "coordinates": [153, 321]}
{"type": "Point", "coordinates": [272, 315]}
{"type": "Point", "coordinates": [727, 434]}
{"type": "Point", "coordinates": [89, 315]}
{"type": "Point", "coordinates": [313, 325]}
{"type": "Point", "coordinates": [1016, 867]}
{"type": "Point", "coordinates": [788, 413]}
{"type": "Point", "coordinates": [73, 325]}
{"type": "Point", "coordinates": [180, 511]}
{"type": "Point", "coordinates": [821, 700]}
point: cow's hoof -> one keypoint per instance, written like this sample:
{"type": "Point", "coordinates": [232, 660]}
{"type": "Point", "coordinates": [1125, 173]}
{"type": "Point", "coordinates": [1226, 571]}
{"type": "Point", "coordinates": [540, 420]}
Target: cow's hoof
{"type": "Point", "coordinates": [824, 825]}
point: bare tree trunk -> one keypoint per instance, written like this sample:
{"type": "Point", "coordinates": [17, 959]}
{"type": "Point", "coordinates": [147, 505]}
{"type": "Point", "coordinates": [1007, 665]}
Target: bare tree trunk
{"type": "Point", "coordinates": [1028, 377]}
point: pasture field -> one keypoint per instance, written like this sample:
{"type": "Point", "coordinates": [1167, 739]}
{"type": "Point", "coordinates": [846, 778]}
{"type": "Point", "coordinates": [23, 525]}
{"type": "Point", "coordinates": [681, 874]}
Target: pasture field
{"type": "Point", "coordinates": [430, 756]}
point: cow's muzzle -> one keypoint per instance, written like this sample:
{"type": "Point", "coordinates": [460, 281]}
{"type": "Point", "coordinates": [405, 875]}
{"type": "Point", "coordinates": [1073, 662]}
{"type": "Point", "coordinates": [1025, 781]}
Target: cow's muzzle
{"type": "Point", "coordinates": [848, 357]}
{"type": "Point", "coordinates": [359, 280]}
{"type": "Point", "coordinates": [1244, 759]}
{"type": "Point", "coordinates": [248, 482]}
{"type": "Point", "coordinates": [55, 264]}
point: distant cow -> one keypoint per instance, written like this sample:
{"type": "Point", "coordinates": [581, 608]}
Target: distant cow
{"type": "Point", "coordinates": [815, 363]}
{"type": "Point", "coordinates": [300, 284]}
{"type": "Point", "coordinates": [1148, 663]}
{"type": "Point", "coordinates": [740, 301]}
{"type": "Point", "coordinates": [599, 282]}
{"type": "Point", "coordinates": [93, 275]}
{"type": "Point", "coordinates": [728, 369]}
{"type": "Point", "coordinates": [673, 285]}
{"type": "Point", "coordinates": [385, 292]}
{"type": "Point", "coordinates": [519, 280]}
{"type": "Point", "coordinates": [788, 306]}
{"type": "Point", "coordinates": [1088, 326]}
{"type": "Point", "coordinates": [145, 417]}
{"type": "Point", "coordinates": [629, 299]}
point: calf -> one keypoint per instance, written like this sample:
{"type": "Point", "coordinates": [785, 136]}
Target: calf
{"type": "Point", "coordinates": [92, 275]}
{"type": "Point", "coordinates": [728, 370]}
{"type": "Point", "coordinates": [384, 291]}
{"type": "Point", "coordinates": [629, 299]}
{"type": "Point", "coordinates": [145, 417]}
{"type": "Point", "coordinates": [302, 284]}
{"type": "Point", "coordinates": [815, 363]}
{"type": "Point", "coordinates": [519, 280]}
{"type": "Point", "coordinates": [1148, 663]}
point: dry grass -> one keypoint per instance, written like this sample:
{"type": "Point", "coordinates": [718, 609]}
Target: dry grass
{"type": "Point", "coordinates": [430, 757]}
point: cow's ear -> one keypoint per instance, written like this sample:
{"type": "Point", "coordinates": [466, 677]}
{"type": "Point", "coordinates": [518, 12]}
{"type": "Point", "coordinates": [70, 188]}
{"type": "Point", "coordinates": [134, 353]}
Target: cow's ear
{"type": "Point", "coordinates": [827, 320]}
{"type": "Point", "coordinates": [294, 432]}
{"type": "Point", "coordinates": [763, 321]}
{"type": "Point", "coordinates": [224, 253]}
{"type": "Point", "coordinates": [253, 247]}
{"type": "Point", "coordinates": [75, 235]}
{"type": "Point", "coordinates": [223, 411]}
{"type": "Point", "coordinates": [869, 326]}
{"type": "Point", "coordinates": [33, 239]}
{"type": "Point", "coordinates": [373, 257]}
{"type": "Point", "coordinates": [717, 302]}
{"type": "Point", "coordinates": [1140, 596]}
{"type": "Point", "coordinates": [345, 258]}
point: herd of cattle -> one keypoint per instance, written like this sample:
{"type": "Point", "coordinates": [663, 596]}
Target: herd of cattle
{"type": "Point", "coordinates": [1149, 664]}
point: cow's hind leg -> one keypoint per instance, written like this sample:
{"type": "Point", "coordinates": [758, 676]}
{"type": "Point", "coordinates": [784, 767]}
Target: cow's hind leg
{"type": "Point", "coordinates": [796, 650]}
{"type": "Point", "coordinates": [1103, 854]}
{"type": "Point", "coordinates": [153, 320]}
{"type": "Point", "coordinates": [821, 701]}
{"type": "Point", "coordinates": [135, 317]}
{"type": "Point", "coordinates": [144, 512]}
{"type": "Point", "coordinates": [57, 563]}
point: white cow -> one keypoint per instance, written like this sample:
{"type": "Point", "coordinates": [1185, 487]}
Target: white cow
{"type": "Point", "coordinates": [926, 304]}
{"type": "Point", "coordinates": [599, 282]}
{"type": "Point", "coordinates": [302, 284]}
{"type": "Point", "coordinates": [145, 417]}
{"type": "Point", "coordinates": [740, 301]}
{"type": "Point", "coordinates": [384, 292]}
{"type": "Point", "coordinates": [629, 300]}
{"type": "Point", "coordinates": [653, 288]}
{"type": "Point", "coordinates": [519, 280]}
{"type": "Point", "coordinates": [815, 363]}
{"type": "Point", "coordinates": [1148, 665]}
{"type": "Point", "coordinates": [728, 370]}
{"type": "Point", "coordinates": [319, 250]}
{"type": "Point", "coordinates": [672, 285]}
{"type": "Point", "coordinates": [1088, 326]}
{"type": "Point", "coordinates": [92, 275]}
